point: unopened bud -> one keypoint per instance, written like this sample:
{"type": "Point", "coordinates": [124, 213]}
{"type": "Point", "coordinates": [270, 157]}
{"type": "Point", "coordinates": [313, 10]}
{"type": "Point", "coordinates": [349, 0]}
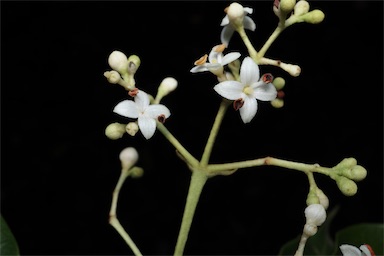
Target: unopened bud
{"type": "Point", "coordinates": [279, 83]}
{"type": "Point", "coordinates": [137, 172]}
{"type": "Point", "coordinates": [310, 229]}
{"type": "Point", "coordinates": [301, 7]}
{"type": "Point", "coordinates": [315, 214]}
{"type": "Point", "coordinates": [168, 85]}
{"type": "Point", "coordinates": [115, 131]}
{"type": "Point", "coordinates": [235, 12]}
{"type": "Point", "coordinates": [347, 187]}
{"type": "Point", "coordinates": [314, 17]}
{"type": "Point", "coordinates": [128, 157]}
{"type": "Point", "coordinates": [312, 198]}
{"type": "Point", "coordinates": [112, 76]}
{"type": "Point", "coordinates": [287, 6]}
{"type": "Point", "coordinates": [277, 103]}
{"type": "Point", "coordinates": [132, 128]}
{"type": "Point", "coordinates": [118, 61]}
{"type": "Point", "coordinates": [346, 163]}
{"type": "Point", "coordinates": [133, 64]}
{"type": "Point", "coordinates": [356, 173]}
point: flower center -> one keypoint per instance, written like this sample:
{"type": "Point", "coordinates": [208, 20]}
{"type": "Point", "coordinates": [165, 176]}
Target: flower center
{"type": "Point", "coordinates": [248, 90]}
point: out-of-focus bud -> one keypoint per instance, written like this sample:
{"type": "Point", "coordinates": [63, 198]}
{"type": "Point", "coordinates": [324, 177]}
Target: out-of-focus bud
{"type": "Point", "coordinates": [128, 157]}
{"type": "Point", "coordinates": [133, 64]}
{"type": "Point", "coordinates": [287, 6]}
{"type": "Point", "coordinates": [314, 17]}
{"type": "Point", "coordinates": [347, 187]}
{"type": "Point", "coordinates": [118, 61]}
{"type": "Point", "coordinates": [112, 76]}
{"type": "Point", "coordinates": [310, 229]}
{"type": "Point", "coordinates": [137, 172]}
{"type": "Point", "coordinates": [277, 103]}
{"type": "Point", "coordinates": [132, 128]}
{"type": "Point", "coordinates": [279, 83]}
{"type": "Point", "coordinates": [301, 7]}
{"type": "Point", "coordinates": [115, 131]}
{"type": "Point", "coordinates": [315, 214]}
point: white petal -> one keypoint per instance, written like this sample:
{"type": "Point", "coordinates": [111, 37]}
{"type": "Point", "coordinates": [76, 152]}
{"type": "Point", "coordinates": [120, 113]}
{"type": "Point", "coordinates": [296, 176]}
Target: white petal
{"type": "Point", "coordinates": [265, 92]}
{"type": "Point", "coordinates": [226, 34]}
{"type": "Point", "coordinates": [231, 90]}
{"type": "Point", "coordinates": [228, 58]}
{"type": "Point", "coordinates": [225, 21]}
{"type": "Point", "coordinates": [215, 57]}
{"type": "Point", "coordinates": [249, 23]}
{"type": "Point", "coordinates": [248, 110]}
{"type": "Point", "coordinates": [153, 111]}
{"type": "Point", "coordinates": [349, 250]}
{"type": "Point", "coordinates": [249, 71]}
{"type": "Point", "coordinates": [142, 100]}
{"type": "Point", "coordinates": [365, 250]}
{"type": "Point", "coordinates": [199, 68]}
{"type": "Point", "coordinates": [127, 108]}
{"type": "Point", "coordinates": [147, 126]}
{"type": "Point", "coordinates": [248, 10]}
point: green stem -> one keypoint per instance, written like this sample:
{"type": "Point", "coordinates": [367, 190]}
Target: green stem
{"type": "Point", "coordinates": [251, 50]}
{"type": "Point", "coordinates": [198, 180]}
{"type": "Point", "coordinates": [269, 42]}
{"type": "Point", "coordinates": [214, 131]}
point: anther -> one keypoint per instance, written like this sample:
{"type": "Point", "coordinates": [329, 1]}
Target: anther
{"type": "Point", "coordinates": [237, 104]}
{"type": "Point", "coordinates": [161, 118]}
{"type": "Point", "coordinates": [133, 92]}
{"type": "Point", "coordinates": [202, 60]}
{"type": "Point", "coordinates": [267, 78]}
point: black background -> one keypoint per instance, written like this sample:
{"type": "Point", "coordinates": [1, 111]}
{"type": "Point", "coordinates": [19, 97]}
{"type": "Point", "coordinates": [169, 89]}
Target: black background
{"type": "Point", "coordinates": [58, 169]}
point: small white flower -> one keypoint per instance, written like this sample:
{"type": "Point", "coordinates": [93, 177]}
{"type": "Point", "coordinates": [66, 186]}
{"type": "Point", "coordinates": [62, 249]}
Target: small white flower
{"type": "Point", "coordinates": [250, 88]}
{"type": "Point", "coordinates": [350, 250]}
{"type": "Point", "coordinates": [217, 60]}
{"type": "Point", "coordinates": [145, 113]}
{"type": "Point", "coordinates": [236, 16]}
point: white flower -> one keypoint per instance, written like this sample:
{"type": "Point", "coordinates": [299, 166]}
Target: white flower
{"type": "Point", "coordinates": [146, 114]}
{"type": "Point", "coordinates": [250, 88]}
{"type": "Point", "coordinates": [216, 60]}
{"type": "Point", "coordinates": [350, 250]}
{"type": "Point", "coordinates": [236, 16]}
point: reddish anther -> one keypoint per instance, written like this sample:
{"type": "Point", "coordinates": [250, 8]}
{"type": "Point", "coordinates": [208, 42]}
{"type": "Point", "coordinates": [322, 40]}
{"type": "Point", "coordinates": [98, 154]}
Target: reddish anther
{"type": "Point", "coordinates": [161, 118]}
{"type": "Point", "coordinates": [133, 92]}
{"type": "Point", "coordinates": [237, 104]}
{"type": "Point", "coordinates": [267, 78]}
{"type": "Point", "coordinates": [280, 94]}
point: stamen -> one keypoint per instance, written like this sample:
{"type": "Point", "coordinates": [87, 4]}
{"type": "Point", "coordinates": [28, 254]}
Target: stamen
{"type": "Point", "coordinates": [226, 9]}
{"type": "Point", "coordinates": [219, 48]}
{"type": "Point", "coordinates": [237, 104]}
{"type": "Point", "coordinates": [267, 78]}
{"type": "Point", "coordinates": [133, 92]}
{"type": "Point", "coordinates": [276, 3]}
{"type": "Point", "coordinates": [280, 94]}
{"type": "Point", "coordinates": [202, 60]}
{"type": "Point", "coordinates": [161, 118]}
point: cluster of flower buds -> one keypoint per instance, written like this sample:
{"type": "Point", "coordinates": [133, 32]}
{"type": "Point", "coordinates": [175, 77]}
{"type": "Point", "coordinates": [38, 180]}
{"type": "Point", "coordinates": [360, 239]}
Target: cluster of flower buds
{"type": "Point", "coordinates": [317, 196]}
{"type": "Point", "coordinates": [296, 12]}
{"type": "Point", "coordinates": [279, 83]}
{"type": "Point", "coordinates": [346, 174]}
{"type": "Point", "coordinates": [123, 69]}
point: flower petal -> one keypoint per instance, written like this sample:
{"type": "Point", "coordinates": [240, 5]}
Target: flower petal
{"type": "Point", "coordinates": [127, 108]}
{"type": "Point", "coordinates": [142, 100]}
{"type": "Point", "coordinates": [249, 71]}
{"type": "Point", "coordinates": [228, 58]}
{"type": "Point", "coordinates": [226, 34]}
{"type": "Point", "coordinates": [248, 110]}
{"type": "Point", "coordinates": [249, 23]}
{"type": "Point", "coordinates": [225, 21]}
{"type": "Point", "coordinates": [265, 92]}
{"type": "Point", "coordinates": [147, 126]}
{"type": "Point", "coordinates": [153, 111]}
{"type": "Point", "coordinates": [248, 10]}
{"type": "Point", "coordinates": [199, 68]}
{"type": "Point", "coordinates": [231, 90]}
{"type": "Point", "coordinates": [367, 250]}
{"type": "Point", "coordinates": [349, 250]}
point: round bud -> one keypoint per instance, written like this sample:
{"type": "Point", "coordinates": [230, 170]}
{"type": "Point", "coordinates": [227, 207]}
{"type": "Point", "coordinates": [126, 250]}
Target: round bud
{"type": "Point", "coordinates": [347, 163]}
{"type": "Point", "coordinates": [347, 187]}
{"type": "Point", "coordinates": [132, 128]}
{"type": "Point", "coordinates": [118, 61]}
{"type": "Point", "coordinates": [314, 17]}
{"type": "Point", "coordinates": [235, 13]}
{"type": "Point", "coordinates": [115, 131]}
{"type": "Point", "coordinates": [358, 173]}
{"type": "Point", "coordinates": [277, 103]}
{"type": "Point", "coordinates": [112, 76]}
{"type": "Point", "coordinates": [279, 83]}
{"type": "Point", "coordinates": [137, 172]}
{"type": "Point", "coordinates": [128, 157]}
{"type": "Point", "coordinates": [315, 214]}
{"type": "Point", "coordinates": [301, 7]}
{"type": "Point", "coordinates": [310, 229]}
{"type": "Point", "coordinates": [287, 5]}
{"type": "Point", "coordinates": [168, 85]}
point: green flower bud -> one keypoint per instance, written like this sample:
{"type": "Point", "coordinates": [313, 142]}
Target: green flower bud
{"type": "Point", "coordinates": [301, 7]}
{"type": "Point", "coordinates": [347, 187]}
{"type": "Point", "coordinates": [132, 128]}
{"type": "Point", "coordinates": [277, 103]}
{"type": "Point", "coordinates": [314, 17]}
{"type": "Point", "coordinates": [324, 201]}
{"type": "Point", "coordinates": [346, 163]}
{"type": "Point", "coordinates": [112, 76]}
{"type": "Point", "coordinates": [279, 83]}
{"type": "Point", "coordinates": [133, 64]}
{"type": "Point", "coordinates": [287, 6]}
{"type": "Point", "coordinates": [356, 173]}
{"type": "Point", "coordinates": [137, 172]}
{"type": "Point", "coordinates": [115, 131]}
{"type": "Point", "coordinates": [312, 198]}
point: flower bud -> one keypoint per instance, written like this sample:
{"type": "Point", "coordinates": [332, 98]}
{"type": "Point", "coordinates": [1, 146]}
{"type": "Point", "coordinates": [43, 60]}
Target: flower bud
{"type": "Point", "coordinates": [277, 103]}
{"type": "Point", "coordinates": [112, 76]}
{"type": "Point", "coordinates": [133, 64]}
{"type": "Point", "coordinates": [346, 163]}
{"type": "Point", "coordinates": [356, 173]}
{"type": "Point", "coordinates": [314, 17]}
{"type": "Point", "coordinates": [115, 131]}
{"type": "Point", "coordinates": [235, 12]}
{"type": "Point", "coordinates": [293, 70]}
{"type": "Point", "coordinates": [324, 201]}
{"type": "Point", "coordinates": [137, 172]}
{"type": "Point", "coordinates": [301, 7]}
{"type": "Point", "coordinates": [310, 229]}
{"type": "Point", "coordinates": [287, 6]}
{"type": "Point", "coordinates": [347, 187]}
{"type": "Point", "coordinates": [168, 85]}
{"type": "Point", "coordinates": [312, 198]}
{"type": "Point", "coordinates": [315, 214]}
{"type": "Point", "coordinates": [132, 128]}
{"type": "Point", "coordinates": [128, 157]}
{"type": "Point", "coordinates": [279, 83]}
{"type": "Point", "coordinates": [118, 61]}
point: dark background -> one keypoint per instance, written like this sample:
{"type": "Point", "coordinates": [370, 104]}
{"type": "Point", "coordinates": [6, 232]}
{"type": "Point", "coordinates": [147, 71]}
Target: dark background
{"type": "Point", "coordinates": [58, 169]}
